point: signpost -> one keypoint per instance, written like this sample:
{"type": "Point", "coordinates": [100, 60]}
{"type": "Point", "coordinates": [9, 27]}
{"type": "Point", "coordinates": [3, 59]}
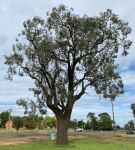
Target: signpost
{"type": "Point", "coordinates": [53, 136]}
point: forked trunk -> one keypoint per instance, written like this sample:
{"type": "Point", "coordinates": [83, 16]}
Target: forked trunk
{"type": "Point", "coordinates": [62, 129]}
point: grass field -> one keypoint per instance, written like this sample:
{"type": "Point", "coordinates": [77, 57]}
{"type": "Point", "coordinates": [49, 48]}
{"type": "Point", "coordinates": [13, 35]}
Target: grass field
{"type": "Point", "coordinates": [90, 143]}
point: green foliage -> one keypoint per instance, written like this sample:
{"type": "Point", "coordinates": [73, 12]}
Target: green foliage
{"type": "Point", "coordinates": [105, 122]}
{"type": "Point", "coordinates": [133, 109]}
{"type": "Point", "coordinates": [92, 120]}
{"type": "Point", "coordinates": [53, 51]}
{"type": "Point", "coordinates": [40, 122]}
{"type": "Point", "coordinates": [30, 106]}
{"type": "Point", "coordinates": [118, 127]}
{"type": "Point", "coordinates": [133, 106]}
{"type": "Point", "coordinates": [4, 117]}
{"type": "Point", "coordinates": [17, 122]}
{"type": "Point", "coordinates": [129, 125]}
{"type": "Point", "coordinates": [87, 126]}
{"type": "Point", "coordinates": [49, 122]}
{"type": "Point", "coordinates": [73, 124]}
{"type": "Point", "coordinates": [30, 122]}
{"type": "Point", "coordinates": [81, 124]}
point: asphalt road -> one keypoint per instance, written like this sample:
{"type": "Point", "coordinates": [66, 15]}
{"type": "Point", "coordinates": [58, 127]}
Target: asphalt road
{"type": "Point", "coordinates": [47, 133]}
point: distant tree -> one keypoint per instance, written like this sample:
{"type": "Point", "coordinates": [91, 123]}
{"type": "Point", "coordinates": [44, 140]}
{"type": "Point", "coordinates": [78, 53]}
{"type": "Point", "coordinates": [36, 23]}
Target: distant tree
{"type": "Point", "coordinates": [33, 121]}
{"type": "Point", "coordinates": [133, 111]}
{"type": "Point", "coordinates": [118, 127]}
{"type": "Point", "coordinates": [105, 122]}
{"type": "Point", "coordinates": [4, 117]}
{"type": "Point", "coordinates": [87, 126]}
{"type": "Point", "coordinates": [129, 125]}
{"type": "Point", "coordinates": [92, 120]}
{"type": "Point", "coordinates": [73, 124]}
{"type": "Point", "coordinates": [30, 122]}
{"type": "Point", "coordinates": [17, 122]}
{"type": "Point", "coordinates": [81, 124]}
{"type": "Point", "coordinates": [53, 52]}
{"type": "Point", "coordinates": [40, 122]}
{"type": "Point", "coordinates": [49, 122]}
{"type": "Point", "coordinates": [114, 91]}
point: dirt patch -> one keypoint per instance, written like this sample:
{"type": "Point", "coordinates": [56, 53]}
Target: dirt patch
{"type": "Point", "coordinates": [23, 139]}
{"type": "Point", "coordinates": [96, 137]}
{"type": "Point", "coordinates": [27, 139]}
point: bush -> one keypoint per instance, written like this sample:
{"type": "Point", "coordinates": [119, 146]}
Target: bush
{"type": "Point", "coordinates": [17, 122]}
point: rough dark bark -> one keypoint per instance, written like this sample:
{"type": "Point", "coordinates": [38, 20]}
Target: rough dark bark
{"type": "Point", "coordinates": [63, 118]}
{"type": "Point", "coordinates": [62, 129]}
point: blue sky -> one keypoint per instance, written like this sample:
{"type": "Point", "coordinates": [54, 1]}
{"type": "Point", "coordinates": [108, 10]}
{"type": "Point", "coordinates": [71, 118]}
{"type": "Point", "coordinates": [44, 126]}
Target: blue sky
{"type": "Point", "coordinates": [12, 15]}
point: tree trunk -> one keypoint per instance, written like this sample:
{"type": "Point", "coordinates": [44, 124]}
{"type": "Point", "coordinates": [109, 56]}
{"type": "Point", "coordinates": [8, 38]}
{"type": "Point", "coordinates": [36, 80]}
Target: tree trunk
{"type": "Point", "coordinates": [134, 121]}
{"type": "Point", "coordinates": [114, 125]}
{"type": "Point", "coordinates": [62, 129]}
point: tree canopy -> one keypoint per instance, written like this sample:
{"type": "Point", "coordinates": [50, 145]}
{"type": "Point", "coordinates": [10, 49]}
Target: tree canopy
{"type": "Point", "coordinates": [129, 125]}
{"type": "Point", "coordinates": [133, 108]}
{"type": "Point", "coordinates": [105, 121]}
{"type": "Point", "coordinates": [17, 122]}
{"type": "Point", "coordinates": [92, 120]}
{"type": "Point", "coordinates": [4, 117]}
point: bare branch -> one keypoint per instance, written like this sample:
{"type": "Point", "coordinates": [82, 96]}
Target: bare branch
{"type": "Point", "coordinates": [78, 96]}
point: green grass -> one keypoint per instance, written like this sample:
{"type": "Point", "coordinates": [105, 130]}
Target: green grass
{"type": "Point", "coordinates": [91, 143]}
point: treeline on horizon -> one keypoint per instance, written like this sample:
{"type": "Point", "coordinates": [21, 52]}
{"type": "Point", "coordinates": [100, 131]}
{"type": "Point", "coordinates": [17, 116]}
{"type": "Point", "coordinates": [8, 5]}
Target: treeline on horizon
{"type": "Point", "coordinates": [102, 122]}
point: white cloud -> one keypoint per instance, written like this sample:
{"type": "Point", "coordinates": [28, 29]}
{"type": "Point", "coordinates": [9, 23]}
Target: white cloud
{"type": "Point", "coordinates": [128, 78]}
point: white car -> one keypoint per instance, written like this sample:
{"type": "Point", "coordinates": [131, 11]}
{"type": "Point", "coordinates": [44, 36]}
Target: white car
{"type": "Point", "coordinates": [79, 130]}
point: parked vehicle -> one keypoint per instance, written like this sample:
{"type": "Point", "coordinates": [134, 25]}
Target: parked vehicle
{"type": "Point", "coordinates": [130, 132]}
{"type": "Point", "coordinates": [79, 130]}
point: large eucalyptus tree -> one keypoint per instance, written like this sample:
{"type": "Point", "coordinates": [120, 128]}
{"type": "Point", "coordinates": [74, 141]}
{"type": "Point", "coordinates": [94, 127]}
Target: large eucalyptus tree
{"type": "Point", "coordinates": [65, 54]}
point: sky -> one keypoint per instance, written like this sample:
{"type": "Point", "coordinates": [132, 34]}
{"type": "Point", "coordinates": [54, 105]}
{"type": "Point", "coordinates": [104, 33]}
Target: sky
{"type": "Point", "coordinates": [12, 15]}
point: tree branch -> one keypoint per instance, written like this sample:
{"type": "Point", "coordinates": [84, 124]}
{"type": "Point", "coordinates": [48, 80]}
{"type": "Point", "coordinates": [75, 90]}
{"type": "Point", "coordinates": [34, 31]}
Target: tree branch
{"type": "Point", "coordinates": [78, 96]}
